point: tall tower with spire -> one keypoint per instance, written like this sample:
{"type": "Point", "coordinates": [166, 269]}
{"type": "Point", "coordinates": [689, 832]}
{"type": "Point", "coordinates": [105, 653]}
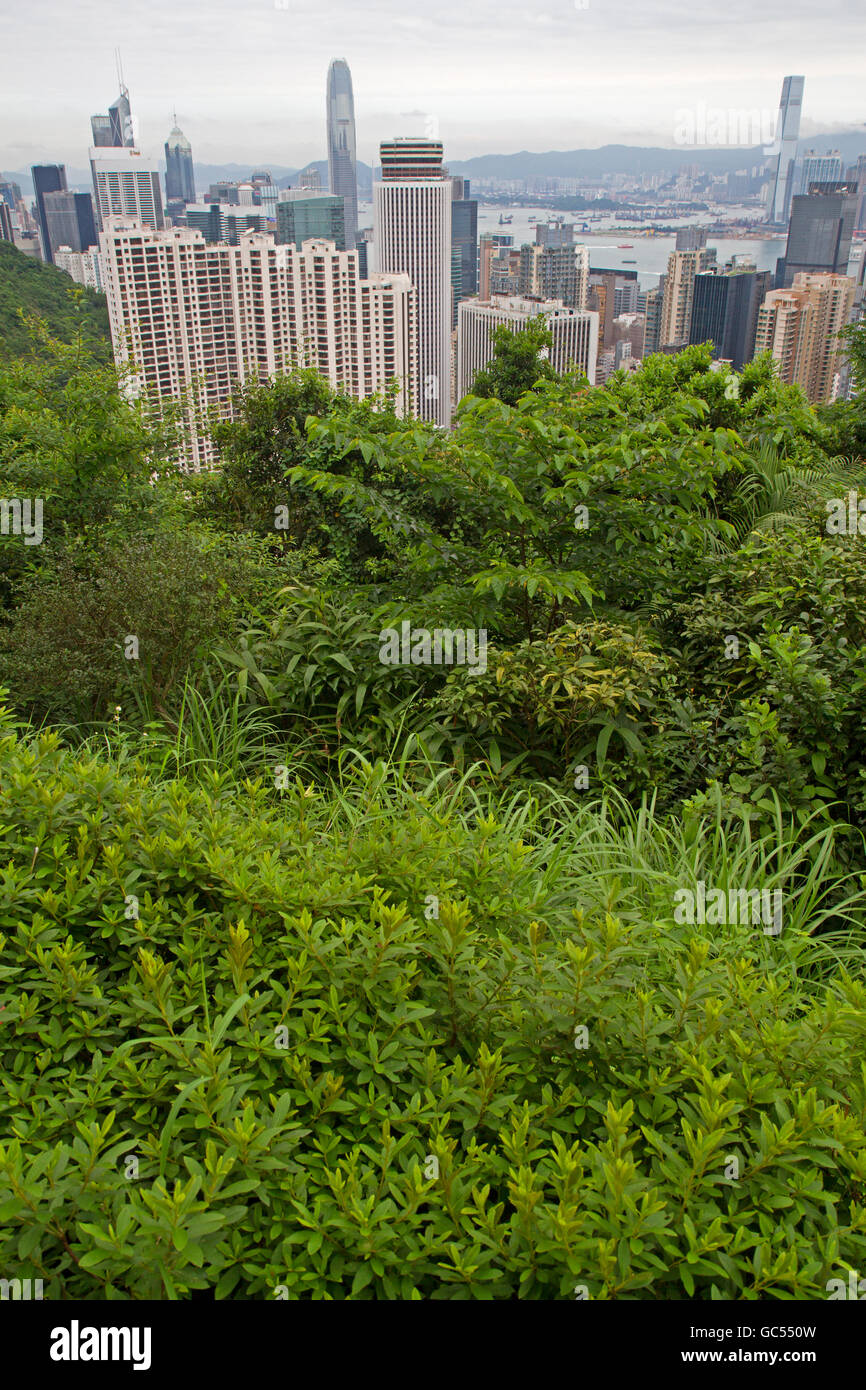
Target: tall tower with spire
{"type": "Point", "coordinates": [342, 170]}
{"type": "Point", "coordinates": [179, 171]}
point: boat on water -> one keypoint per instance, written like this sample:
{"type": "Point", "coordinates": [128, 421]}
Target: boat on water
{"type": "Point", "coordinates": [629, 260]}
{"type": "Point", "coordinates": [625, 246]}
{"type": "Point", "coordinates": [504, 221]}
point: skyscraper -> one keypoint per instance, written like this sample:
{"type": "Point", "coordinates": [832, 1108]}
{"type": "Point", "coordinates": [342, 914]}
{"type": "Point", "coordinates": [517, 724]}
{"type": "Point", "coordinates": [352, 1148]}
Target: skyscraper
{"type": "Point", "coordinates": [819, 237]}
{"type": "Point", "coordinates": [302, 215]}
{"type": "Point", "coordinates": [412, 235]}
{"type": "Point", "coordinates": [125, 182]}
{"type": "Point", "coordinates": [69, 221]}
{"type": "Point", "coordinates": [342, 170]}
{"type": "Point", "coordinates": [179, 171]}
{"type": "Point", "coordinates": [725, 310]}
{"type": "Point", "coordinates": [787, 135]}
{"type": "Point", "coordinates": [683, 266]}
{"type": "Point", "coordinates": [464, 235]}
{"type": "Point", "coordinates": [47, 178]}
{"type": "Point", "coordinates": [819, 168]}
{"type": "Point", "coordinates": [216, 315]}
{"type": "Point", "coordinates": [116, 128]}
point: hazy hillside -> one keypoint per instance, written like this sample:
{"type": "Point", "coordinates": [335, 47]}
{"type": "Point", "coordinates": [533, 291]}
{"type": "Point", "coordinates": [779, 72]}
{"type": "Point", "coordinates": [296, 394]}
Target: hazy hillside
{"type": "Point", "coordinates": [38, 289]}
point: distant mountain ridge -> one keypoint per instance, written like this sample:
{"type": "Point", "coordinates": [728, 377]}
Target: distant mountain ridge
{"type": "Point", "coordinates": [526, 164]}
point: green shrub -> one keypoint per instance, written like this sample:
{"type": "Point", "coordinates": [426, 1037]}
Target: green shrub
{"type": "Point", "coordinates": [329, 1046]}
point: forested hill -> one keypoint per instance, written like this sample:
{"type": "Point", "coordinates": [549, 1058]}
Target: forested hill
{"type": "Point", "coordinates": [40, 290]}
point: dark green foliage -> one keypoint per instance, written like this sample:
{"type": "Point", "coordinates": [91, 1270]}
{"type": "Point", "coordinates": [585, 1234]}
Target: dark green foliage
{"type": "Point", "coordinates": [519, 362]}
{"type": "Point", "coordinates": [30, 289]}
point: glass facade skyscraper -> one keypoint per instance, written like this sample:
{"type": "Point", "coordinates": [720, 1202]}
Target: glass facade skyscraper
{"type": "Point", "coordinates": [47, 178]}
{"type": "Point", "coordinates": [179, 172]}
{"type": "Point", "coordinates": [787, 135]}
{"type": "Point", "coordinates": [319, 215]}
{"type": "Point", "coordinates": [342, 169]}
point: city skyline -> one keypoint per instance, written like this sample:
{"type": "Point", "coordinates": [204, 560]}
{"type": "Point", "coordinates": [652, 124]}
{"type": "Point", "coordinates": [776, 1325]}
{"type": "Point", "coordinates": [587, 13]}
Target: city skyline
{"type": "Point", "coordinates": [457, 77]}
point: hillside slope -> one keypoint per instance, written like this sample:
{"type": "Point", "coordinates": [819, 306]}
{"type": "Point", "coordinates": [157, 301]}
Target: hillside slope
{"type": "Point", "coordinates": [48, 293]}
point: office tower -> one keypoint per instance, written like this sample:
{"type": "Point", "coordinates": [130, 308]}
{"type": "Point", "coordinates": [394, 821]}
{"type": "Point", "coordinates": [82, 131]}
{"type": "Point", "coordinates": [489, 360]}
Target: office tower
{"type": "Point", "coordinates": [302, 215]}
{"type": "Point", "coordinates": [857, 177]}
{"type": "Point", "coordinates": [342, 171]}
{"type": "Point", "coordinates": [412, 235]}
{"type": "Point", "coordinates": [115, 129]}
{"type": "Point", "coordinates": [725, 309]}
{"type": "Point", "coordinates": [179, 171]}
{"type": "Point", "coordinates": [69, 220]}
{"type": "Point", "coordinates": [223, 222]}
{"type": "Point", "coordinates": [124, 182]}
{"type": "Point", "coordinates": [555, 234]}
{"type": "Point", "coordinates": [493, 253]}
{"type": "Point", "coordinates": [574, 332]}
{"type": "Point", "coordinates": [819, 237]}
{"type": "Point", "coordinates": [364, 247]}
{"type": "Point", "coordinates": [214, 316]}
{"type": "Point", "coordinates": [226, 191]}
{"type": "Point", "coordinates": [819, 168]}
{"type": "Point", "coordinates": [464, 235]}
{"type": "Point", "coordinates": [100, 127]}
{"type": "Point", "coordinates": [6, 230]}
{"type": "Point", "coordinates": [82, 266]}
{"type": "Point", "coordinates": [310, 179]}
{"type": "Point", "coordinates": [683, 266]}
{"type": "Point", "coordinates": [653, 305]}
{"type": "Point", "coordinates": [47, 178]}
{"type": "Point", "coordinates": [787, 135]}
{"type": "Point", "coordinates": [691, 238]}
{"type": "Point", "coordinates": [800, 327]}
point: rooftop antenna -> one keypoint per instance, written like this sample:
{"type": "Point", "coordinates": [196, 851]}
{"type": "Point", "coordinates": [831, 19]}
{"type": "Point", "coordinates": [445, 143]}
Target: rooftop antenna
{"type": "Point", "coordinates": [119, 64]}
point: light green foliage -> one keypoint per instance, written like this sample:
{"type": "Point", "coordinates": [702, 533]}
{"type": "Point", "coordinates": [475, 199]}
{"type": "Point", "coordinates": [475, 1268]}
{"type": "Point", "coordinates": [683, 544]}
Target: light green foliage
{"type": "Point", "coordinates": [407, 1037]}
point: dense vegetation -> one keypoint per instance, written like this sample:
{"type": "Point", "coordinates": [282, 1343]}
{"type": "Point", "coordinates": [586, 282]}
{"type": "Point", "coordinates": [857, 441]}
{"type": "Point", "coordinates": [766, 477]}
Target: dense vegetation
{"type": "Point", "coordinates": [330, 977]}
{"type": "Point", "coordinates": [31, 289]}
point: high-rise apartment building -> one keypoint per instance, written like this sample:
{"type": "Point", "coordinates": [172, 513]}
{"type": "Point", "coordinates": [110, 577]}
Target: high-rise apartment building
{"type": "Point", "coordinates": [342, 167]}
{"type": "Point", "coordinates": [302, 215]}
{"type": "Point", "coordinates": [47, 178]}
{"type": "Point", "coordinates": [574, 333]}
{"type": "Point", "coordinates": [7, 231]}
{"type": "Point", "coordinates": [725, 310]}
{"type": "Point", "coordinates": [412, 236]}
{"type": "Point", "coordinates": [179, 169]}
{"type": "Point", "coordinates": [683, 266]}
{"type": "Point", "coordinates": [83, 266]}
{"type": "Point", "coordinates": [787, 135]}
{"type": "Point", "coordinates": [653, 305]}
{"type": "Point", "coordinates": [192, 320]}
{"type": "Point", "coordinates": [551, 271]}
{"type": "Point", "coordinates": [557, 233]}
{"type": "Point", "coordinates": [691, 238]}
{"type": "Point", "coordinates": [800, 326]}
{"type": "Point", "coordinates": [819, 237]}
{"type": "Point", "coordinates": [126, 183]}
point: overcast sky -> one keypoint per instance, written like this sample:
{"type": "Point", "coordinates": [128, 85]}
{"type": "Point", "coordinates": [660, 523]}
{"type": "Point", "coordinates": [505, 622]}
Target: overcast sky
{"type": "Point", "coordinates": [247, 77]}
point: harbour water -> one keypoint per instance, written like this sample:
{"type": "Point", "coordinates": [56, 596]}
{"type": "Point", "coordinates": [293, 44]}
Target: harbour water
{"type": "Point", "coordinates": [648, 255]}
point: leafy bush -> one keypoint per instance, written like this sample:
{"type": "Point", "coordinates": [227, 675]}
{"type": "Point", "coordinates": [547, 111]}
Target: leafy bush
{"type": "Point", "coordinates": [331, 1046]}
